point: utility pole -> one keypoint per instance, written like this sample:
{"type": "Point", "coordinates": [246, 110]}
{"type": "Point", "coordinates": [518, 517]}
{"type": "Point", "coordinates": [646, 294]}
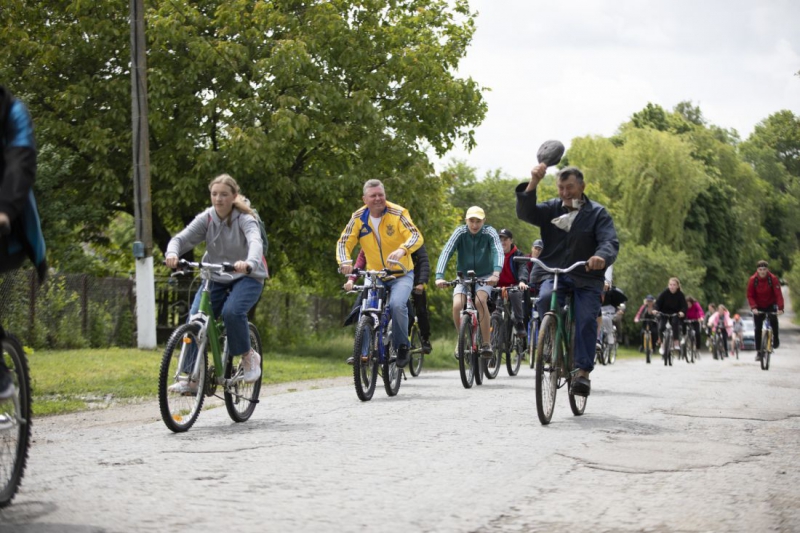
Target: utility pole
{"type": "Point", "coordinates": [143, 247]}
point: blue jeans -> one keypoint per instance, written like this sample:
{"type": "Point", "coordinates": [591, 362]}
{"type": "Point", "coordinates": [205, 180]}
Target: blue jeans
{"type": "Point", "coordinates": [586, 303]}
{"type": "Point", "coordinates": [398, 298]}
{"type": "Point", "coordinates": [232, 302]}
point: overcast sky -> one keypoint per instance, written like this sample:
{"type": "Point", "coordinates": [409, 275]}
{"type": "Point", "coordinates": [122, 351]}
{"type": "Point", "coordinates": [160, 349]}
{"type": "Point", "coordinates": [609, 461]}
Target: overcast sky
{"type": "Point", "coordinates": [569, 68]}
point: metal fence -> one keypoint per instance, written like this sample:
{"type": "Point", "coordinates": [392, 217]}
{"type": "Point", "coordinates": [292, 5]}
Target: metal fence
{"type": "Point", "coordinates": [79, 310]}
{"type": "Point", "coordinates": [67, 310]}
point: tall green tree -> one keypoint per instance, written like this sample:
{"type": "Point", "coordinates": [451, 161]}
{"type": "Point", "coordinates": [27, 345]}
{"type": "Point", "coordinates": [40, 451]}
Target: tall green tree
{"type": "Point", "coordinates": [300, 101]}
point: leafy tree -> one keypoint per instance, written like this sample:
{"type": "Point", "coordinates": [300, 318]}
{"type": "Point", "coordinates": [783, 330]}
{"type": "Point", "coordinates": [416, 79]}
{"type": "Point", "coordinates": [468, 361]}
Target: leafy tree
{"type": "Point", "coordinates": [300, 101]}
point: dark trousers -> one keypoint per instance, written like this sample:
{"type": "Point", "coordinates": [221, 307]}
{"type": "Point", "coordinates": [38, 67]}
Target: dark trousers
{"type": "Point", "coordinates": [420, 309]}
{"type": "Point", "coordinates": [759, 323]}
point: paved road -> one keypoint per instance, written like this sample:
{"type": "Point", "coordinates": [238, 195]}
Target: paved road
{"type": "Point", "coordinates": [708, 447]}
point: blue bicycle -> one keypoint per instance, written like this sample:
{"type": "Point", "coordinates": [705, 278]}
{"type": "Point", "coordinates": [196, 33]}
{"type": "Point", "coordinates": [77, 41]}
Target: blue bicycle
{"type": "Point", "coordinates": [372, 348]}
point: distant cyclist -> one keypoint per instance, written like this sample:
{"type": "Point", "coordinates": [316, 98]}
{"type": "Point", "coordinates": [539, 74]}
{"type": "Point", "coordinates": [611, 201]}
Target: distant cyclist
{"type": "Point", "coordinates": [671, 301]}
{"type": "Point", "coordinates": [764, 296]}
{"type": "Point", "coordinates": [694, 311]}
{"type": "Point", "coordinates": [647, 312]}
{"type": "Point", "coordinates": [20, 231]}
{"type": "Point", "coordinates": [509, 277]}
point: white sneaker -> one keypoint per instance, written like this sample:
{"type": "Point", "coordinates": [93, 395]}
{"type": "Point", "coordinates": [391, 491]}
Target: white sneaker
{"type": "Point", "coordinates": [183, 387]}
{"type": "Point", "coordinates": [252, 366]}
{"type": "Point", "coordinates": [662, 350]}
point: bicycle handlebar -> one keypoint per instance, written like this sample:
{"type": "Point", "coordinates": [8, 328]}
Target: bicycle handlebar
{"type": "Point", "coordinates": [547, 268]}
{"type": "Point", "coordinates": [224, 267]}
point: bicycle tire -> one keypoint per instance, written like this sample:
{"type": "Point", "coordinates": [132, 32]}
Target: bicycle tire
{"type": "Point", "coordinates": [365, 366]}
{"type": "Point", "coordinates": [15, 414]}
{"type": "Point", "coordinates": [514, 359]}
{"type": "Point", "coordinates": [666, 343]}
{"type": "Point", "coordinates": [477, 358]}
{"type": "Point", "coordinates": [491, 367]}
{"type": "Point", "coordinates": [179, 411]}
{"type": "Point", "coordinates": [648, 346]}
{"type": "Point", "coordinates": [390, 372]}
{"type": "Point", "coordinates": [576, 403]}
{"type": "Point", "coordinates": [533, 341]}
{"type": "Point", "coordinates": [691, 344]}
{"type": "Point", "coordinates": [547, 369]}
{"type": "Point", "coordinates": [612, 353]}
{"type": "Point", "coordinates": [766, 347]}
{"type": "Point", "coordinates": [466, 367]}
{"type": "Point", "coordinates": [415, 351]}
{"type": "Point", "coordinates": [241, 398]}
{"type": "Point", "coordinates": [600, 355]}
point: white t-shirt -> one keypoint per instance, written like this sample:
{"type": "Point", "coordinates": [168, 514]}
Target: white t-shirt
{"type": "Point", "coordinates": [375, 222]}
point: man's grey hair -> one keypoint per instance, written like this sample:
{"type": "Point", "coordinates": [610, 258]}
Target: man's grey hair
{"type": "Point", "coordinates": [373, 183]}
{"type": "Point", "coordinates": [566, 172]}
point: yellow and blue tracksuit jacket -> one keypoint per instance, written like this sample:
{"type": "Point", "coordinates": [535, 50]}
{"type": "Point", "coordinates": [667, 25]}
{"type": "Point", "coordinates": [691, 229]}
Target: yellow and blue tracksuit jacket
{"type": "Point", "coordinates": [396, 230]}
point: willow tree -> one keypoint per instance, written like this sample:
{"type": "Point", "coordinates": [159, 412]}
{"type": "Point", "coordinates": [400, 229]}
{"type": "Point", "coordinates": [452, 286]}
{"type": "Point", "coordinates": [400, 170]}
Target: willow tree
{"type": "Point", "coordinates": [299, 101]}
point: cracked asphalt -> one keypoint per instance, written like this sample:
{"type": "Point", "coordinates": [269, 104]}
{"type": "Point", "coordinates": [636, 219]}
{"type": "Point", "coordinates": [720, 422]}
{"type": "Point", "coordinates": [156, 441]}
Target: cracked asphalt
{"type": "Point", "coordinates": [713, 446]}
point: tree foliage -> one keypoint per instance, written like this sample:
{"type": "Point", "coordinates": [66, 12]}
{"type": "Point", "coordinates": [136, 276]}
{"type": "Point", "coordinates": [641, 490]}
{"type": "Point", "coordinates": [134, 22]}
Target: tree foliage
{"type": "Point", "coordinates": [300, 101]}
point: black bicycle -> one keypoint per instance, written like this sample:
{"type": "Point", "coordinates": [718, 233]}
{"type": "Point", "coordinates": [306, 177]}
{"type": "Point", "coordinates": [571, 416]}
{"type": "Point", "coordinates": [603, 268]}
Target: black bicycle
{"type": "Point", "coordinates": [504, 341]}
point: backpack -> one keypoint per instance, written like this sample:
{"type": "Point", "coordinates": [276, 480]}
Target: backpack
{"type": "Point", "coordinates": [769, 279]}
{"type": "Point", "coordinates": [264, 240]}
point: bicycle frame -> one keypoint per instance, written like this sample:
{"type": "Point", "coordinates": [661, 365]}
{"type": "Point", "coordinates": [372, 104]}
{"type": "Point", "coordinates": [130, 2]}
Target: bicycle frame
{"type": "Point", "coordinates": [374, 305]}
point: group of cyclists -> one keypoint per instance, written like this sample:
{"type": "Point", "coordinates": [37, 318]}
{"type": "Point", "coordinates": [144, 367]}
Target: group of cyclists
{"type": "Point", "coordinates": [573, 229]}
{"type": "Point", "coordinates": [764, 297]}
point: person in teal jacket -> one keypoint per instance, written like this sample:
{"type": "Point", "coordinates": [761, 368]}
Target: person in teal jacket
{"type": "Point", "coordinates": [478, 248]}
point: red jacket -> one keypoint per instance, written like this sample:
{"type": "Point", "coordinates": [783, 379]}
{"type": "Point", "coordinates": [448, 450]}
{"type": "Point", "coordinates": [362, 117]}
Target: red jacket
{"type": "Point", "coordinates": [765, 293]}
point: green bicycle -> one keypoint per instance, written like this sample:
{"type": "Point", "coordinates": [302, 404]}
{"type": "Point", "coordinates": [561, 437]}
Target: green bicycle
{"type": "Point", "coordinates": [555, 353]}
{"type": "Point", "coordinates": [185, 363]}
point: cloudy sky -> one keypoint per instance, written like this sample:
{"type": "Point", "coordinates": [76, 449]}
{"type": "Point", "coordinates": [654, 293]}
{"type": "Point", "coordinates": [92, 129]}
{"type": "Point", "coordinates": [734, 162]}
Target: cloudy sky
{"type": "Point", "coordinates": [568, 68]}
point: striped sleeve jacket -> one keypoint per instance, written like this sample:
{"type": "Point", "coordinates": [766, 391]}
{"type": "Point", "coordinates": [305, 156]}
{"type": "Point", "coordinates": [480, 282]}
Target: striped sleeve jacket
{"type": "Point", "coordinates": [396, 230]}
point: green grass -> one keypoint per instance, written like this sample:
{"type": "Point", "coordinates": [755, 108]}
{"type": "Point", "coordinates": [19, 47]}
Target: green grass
{"type": "Point", "coordinates": [74, 380]}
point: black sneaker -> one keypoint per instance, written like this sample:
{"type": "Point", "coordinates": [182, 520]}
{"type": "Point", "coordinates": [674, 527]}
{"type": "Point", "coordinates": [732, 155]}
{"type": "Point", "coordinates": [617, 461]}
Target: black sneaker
{"type": "Point", "coordinates": [486, 351]}
{"type": "Point", "coordinates": [581, 386]}
{"type": "Point", "coordinates": [402, 356]}
{"type": "Point", "coordinates": [426, 346]}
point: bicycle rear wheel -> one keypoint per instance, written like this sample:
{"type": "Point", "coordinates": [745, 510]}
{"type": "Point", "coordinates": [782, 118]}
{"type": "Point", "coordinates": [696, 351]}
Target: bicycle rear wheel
{"type": "Point", "coordinates": [15, 421]}
{"type": "Point", "coordinates": [181, 406]}
{"type": "Point", "coordinates": [365, 366]}
{"type": "Point", "coordinates": [390, 372]}
{"type": "Point", "coordinates": [515, 356]}
{"type": "Point", "coordinates": [491, 367]}
{"type": "Point", "coordinates": [547, 368]}
{"type": "Point", "coordinates": [415, 350]}
{"type": "Point", "coordinates": [533, 341]}
{"type": "Point", "coordinates": [241, 398]}
{"type": "Point", "coordinates": [466, 357]}
{"type": "Point", "coordinates": [576, 403]}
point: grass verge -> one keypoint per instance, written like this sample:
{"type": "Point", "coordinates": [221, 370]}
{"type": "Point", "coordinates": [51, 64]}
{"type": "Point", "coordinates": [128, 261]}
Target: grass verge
{"type": "Point", "coordinates": [74, 380]}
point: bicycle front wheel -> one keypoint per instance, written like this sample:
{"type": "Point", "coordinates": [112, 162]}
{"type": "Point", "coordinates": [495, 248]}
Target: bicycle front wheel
{"type": "Point", "coordinates": [547, 368]}
{"type": "Point", "coordinates": [181, 388]}
{"type": "Point", "coordinates": [466, 358]}
{"type": "Point", "coordinates": [612, 353]}
{"type": "Point", "coordinates": [390, 372]}
{"type": "Point", "coordinates": [415, 350]}
{"type": "Point", "coordinates": [365, 365]}
{"type": "Point", "coordinates": [648, 346]}
{"type": "Point", "coordinates": [15, 421]}
{"type": "Point", "coordinates": [491, 367]}
{"type": "Point", "coordinates": [766, 348]}
{"type": "Point", "coordinates": [240, 397]}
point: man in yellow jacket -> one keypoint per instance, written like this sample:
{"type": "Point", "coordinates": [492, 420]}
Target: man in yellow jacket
{"type": "Point", "coordinates": [387, 235]}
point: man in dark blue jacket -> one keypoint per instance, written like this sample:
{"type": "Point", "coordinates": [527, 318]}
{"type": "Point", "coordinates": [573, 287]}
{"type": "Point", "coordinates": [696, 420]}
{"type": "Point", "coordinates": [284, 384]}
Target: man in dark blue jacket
{"type": "Point", "coordinates": [20, 232]}
{"type": "Point", "coordinates": [573, 228]}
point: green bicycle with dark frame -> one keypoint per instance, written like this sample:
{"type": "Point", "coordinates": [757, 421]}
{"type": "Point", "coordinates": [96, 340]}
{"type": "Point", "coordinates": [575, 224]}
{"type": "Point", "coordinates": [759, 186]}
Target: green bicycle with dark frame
{"type": "Point", "coordinates": [555, 350]}
{"type": "Point", "coordinates": [185, 363]}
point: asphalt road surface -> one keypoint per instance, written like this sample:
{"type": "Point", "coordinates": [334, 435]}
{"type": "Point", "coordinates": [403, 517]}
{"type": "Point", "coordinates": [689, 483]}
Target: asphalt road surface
{"type": "Point", "coordinates": [713, 446]}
